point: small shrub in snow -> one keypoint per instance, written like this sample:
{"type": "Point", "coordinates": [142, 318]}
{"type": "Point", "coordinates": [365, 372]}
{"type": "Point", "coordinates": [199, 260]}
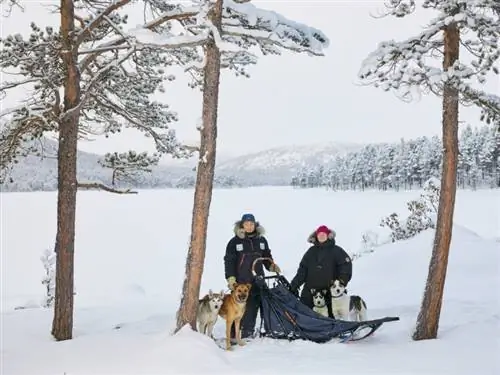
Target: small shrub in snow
{"type": "Point", "coordinates": [370, 240]}
{"type": "Point", "coordinates": [421, 217]}
{"type": "Point", "coordinates": [48, 259]}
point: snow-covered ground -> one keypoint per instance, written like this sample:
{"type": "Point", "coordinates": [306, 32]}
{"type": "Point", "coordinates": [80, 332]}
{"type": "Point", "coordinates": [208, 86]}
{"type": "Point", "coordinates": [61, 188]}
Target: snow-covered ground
{"type": "Point", "coordinates": [130, 256]}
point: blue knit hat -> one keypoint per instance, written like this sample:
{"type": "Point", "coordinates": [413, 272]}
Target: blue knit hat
{"type": "Point", "coordinates": [248, 217]}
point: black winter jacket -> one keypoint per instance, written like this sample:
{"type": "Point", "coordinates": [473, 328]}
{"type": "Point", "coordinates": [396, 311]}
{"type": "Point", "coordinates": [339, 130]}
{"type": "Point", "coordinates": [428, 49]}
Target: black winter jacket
{"type": "Point", "coordinates": [242, 250]}
{"type": "Point", "coordinates": [321, 264]}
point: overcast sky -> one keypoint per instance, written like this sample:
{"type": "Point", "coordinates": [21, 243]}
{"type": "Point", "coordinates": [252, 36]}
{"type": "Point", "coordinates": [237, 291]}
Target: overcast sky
{"type": "Point", "coordinates": [297, 99]}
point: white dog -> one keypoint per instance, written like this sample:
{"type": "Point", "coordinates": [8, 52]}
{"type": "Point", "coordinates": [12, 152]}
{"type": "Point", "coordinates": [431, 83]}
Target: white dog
{"type": "Point", "coordinates": [319, 301]}
{"type": "Point", "coordinates": [208, 312]}
{"type": "Point", "coordinates": [345, 307]}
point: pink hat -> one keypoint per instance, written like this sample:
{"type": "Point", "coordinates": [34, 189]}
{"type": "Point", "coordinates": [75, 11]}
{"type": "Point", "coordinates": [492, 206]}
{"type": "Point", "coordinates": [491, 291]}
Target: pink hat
{"type": "Point", "coordinates": [323, 229]}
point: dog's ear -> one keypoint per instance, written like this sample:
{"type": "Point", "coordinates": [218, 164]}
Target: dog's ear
{"type": "Point", "coordinates": [210, 293]}
{"type": "Point", "coordinates": [332, 282]}
{"type": "Point", "coordinates": [222, 293]}
{"type": "Point", "coordinates": [249, 286]}
{"type": "Point", "coordinates": [323, 291]}
{"type": "Point", "coordinates": [313, 291]}
{"type": "Point", "coordinates": [235, 285]}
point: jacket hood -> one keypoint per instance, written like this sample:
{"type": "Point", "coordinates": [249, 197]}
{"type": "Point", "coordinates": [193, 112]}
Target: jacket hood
{"type": "Point", "coordinates": [312, 237]}
{"type": "Point", "coordinates": [240, 232]}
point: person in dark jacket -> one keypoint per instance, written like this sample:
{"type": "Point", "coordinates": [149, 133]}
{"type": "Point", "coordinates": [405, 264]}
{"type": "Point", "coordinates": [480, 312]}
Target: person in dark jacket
{"type": "Point", "coordinates": [321, 264]}
{"type": "Point", "coordinates": [247, 245]}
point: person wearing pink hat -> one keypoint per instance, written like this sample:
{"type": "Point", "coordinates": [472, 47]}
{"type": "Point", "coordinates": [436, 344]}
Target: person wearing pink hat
{"type": "Point", "coordinates": [322, 263]}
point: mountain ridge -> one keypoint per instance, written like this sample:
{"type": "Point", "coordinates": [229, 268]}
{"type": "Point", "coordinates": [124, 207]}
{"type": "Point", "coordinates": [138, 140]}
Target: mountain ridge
{"type": "Point", "coordinates": [275, 166]}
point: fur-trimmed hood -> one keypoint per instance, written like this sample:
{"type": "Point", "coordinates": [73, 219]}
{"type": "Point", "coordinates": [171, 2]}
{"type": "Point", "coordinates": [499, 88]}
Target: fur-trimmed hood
{"type": "Point", "coordinates": [312, 237]}
{"type": "Point", "coordinates": [240, 232]}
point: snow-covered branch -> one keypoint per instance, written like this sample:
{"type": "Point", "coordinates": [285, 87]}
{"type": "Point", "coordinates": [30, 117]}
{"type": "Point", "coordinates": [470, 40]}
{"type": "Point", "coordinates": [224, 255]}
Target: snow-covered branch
{"type": "Point", "coordinates": [247, 20]}
{"type": "Point", "coordinates": [6, 85]}
{"type": "Point", "coordinates": [90, 87]}
{"type": "Point", "coordinates": [8, 5]}
{"type": "Point", "coordinates": [399, 8]}
{"type": "Point", "coordinates": [244, 25]}
{"type": "Point", "coordinates": [178, 14]}
{"type": "Point", "coordinates": [147, 38]}
{"type": "Point", "coordinates": [95, 22]}
{"type": "Point", "coordinates": [270, 38]}
{"type": "Point", "coordinates": [402, 66]}
{"type": "Point", "coordinates": [488, 103]}
{"type": "Point", "coordinates": [409, 66]}
{"type": "Point", "coordinates": [20, 127]}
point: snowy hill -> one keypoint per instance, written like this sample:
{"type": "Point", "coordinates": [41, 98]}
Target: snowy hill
{"type": "Point", "coordinates": [277, 166]}
{"type": "Point", "coordinates": [272, 167]}
{"type": "Point", "coordinates": [34, 173]}
{"type": "Point", "coordinates": [140, 294]}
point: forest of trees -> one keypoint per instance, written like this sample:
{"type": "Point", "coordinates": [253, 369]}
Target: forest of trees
{"type": "Point", "coordinates": [408, 164]}
{"type": "Point", "coordinates": [403, 165]}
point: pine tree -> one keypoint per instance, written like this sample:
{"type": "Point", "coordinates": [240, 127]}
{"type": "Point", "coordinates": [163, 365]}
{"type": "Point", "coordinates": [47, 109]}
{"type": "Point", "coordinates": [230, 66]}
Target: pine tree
{"type": "Point", "coordinates": [404, 67]}
{"type": "Point", "coordinates": [101, 94]}
{"type": "Point", "coordinates": [128, 166]}
{"type": "Point", "coordinates": [229, 29]}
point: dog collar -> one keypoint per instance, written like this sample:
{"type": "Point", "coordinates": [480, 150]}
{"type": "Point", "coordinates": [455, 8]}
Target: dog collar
{"type": "Point", "coordinates": [341, 295]}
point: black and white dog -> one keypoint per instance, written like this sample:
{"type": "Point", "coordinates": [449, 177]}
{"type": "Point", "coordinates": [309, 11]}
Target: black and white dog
{"type": "Point", "coordinates": [319, 297]}
{"type": "Point", "coordinates": [345, 307]}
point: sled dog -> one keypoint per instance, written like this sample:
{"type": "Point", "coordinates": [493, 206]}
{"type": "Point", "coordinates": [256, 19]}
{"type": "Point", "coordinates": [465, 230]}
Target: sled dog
{"type": "Point", "coordinates": [344, 306]}
{"type": "Point", "coordinates": [208, 312]}
{"type": "Point", "coordinates": [319, 301]}
{"type": "Point", "coordinates": [232, 310]}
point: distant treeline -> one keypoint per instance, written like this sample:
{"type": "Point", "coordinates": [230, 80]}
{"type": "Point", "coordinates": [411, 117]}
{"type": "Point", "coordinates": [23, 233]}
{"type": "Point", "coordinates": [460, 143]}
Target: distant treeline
{"type": "Point", "coordinates": [409, 164]}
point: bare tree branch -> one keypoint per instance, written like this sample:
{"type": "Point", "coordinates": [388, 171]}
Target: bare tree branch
{"type": "Point", "coordinates": [99, 186]}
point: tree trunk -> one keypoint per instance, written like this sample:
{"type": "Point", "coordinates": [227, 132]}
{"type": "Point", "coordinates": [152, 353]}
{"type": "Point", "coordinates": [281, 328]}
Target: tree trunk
{"type": "Point", "coordinates": [62, 325]}
{"type": "Point", "coordinates": [430, 310]}
{"type": "Point", "coordinates": [204, 181]}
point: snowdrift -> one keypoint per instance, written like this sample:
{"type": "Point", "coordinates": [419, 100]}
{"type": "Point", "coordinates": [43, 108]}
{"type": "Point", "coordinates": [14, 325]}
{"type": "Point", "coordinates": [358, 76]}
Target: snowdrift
{"type": "Point", "coordinates": [391, 280]}
{"type": "Point", "coordinates": [398, 271]}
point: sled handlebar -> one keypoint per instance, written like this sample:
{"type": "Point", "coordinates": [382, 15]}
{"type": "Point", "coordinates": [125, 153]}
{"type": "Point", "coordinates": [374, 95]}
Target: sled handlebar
{"type": "Point", "coordinates": [260, 260]}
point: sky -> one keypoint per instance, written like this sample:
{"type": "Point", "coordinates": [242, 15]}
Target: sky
{"type": "Point", "coordinates": [295, 99]}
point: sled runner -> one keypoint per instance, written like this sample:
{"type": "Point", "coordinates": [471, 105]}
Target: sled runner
{"type": "Point", "coordinates": [284, 316]}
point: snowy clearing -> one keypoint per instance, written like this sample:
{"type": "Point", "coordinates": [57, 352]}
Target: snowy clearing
{"type": "Point", "coordinates": [130, 256]}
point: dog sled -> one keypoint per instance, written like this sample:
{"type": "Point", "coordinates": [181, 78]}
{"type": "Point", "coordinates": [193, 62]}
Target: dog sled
{"type": "Point", "coordinates": [284, 316]}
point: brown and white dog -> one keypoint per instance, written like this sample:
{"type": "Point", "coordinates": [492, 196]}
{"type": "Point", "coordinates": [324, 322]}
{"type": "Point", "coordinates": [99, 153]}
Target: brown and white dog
{"type": "Point", "coordinates": [232, 310]}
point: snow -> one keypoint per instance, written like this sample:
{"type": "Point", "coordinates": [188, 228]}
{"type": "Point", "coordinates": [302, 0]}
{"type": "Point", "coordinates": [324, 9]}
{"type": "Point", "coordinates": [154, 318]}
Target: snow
{"type": "Point", "coordinates": [239, 20]}
{"type": "Point", "coordinates": [147, 37]}
{"type": "Point", "coordinates": [130, 256]}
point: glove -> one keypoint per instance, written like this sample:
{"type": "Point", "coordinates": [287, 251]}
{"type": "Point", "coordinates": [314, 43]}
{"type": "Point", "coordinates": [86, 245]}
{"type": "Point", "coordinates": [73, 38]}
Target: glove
{"type": "Point", "coordinates": [274, 268]}
{"type": "Point", "coordinates": [231, 281]}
